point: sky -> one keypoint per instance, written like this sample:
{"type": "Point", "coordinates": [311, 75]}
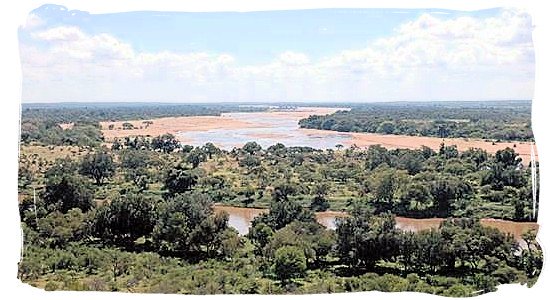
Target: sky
{"type": "Point", "coordinates": [322, 55]}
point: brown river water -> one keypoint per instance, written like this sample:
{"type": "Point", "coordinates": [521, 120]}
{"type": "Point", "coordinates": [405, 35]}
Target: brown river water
{"type": "Point", "coordinates": [241, 218]}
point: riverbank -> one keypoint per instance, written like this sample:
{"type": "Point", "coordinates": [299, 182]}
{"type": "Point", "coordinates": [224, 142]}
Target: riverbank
{"type": "Point", "coordinates": [241, 218]}
{"type": "Point", "coordinates": [281, 126]}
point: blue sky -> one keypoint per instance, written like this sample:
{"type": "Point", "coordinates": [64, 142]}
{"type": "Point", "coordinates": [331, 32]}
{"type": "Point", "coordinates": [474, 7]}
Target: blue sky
{"type": "Point", "coordinates": [357, 55]}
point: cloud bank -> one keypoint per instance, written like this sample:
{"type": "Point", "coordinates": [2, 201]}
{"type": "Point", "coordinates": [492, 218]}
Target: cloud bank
{"type": "Point", "coordinates": [430, 58]}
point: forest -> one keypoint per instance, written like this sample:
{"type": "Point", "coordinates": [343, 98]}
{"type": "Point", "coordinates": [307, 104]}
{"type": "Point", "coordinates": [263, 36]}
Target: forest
{"type": "Point", "coordinates": [137, 216]}
{"type": "Point", "coordinates": [40, 122]}
{"type": "Point", "coordinates": [498, 121]}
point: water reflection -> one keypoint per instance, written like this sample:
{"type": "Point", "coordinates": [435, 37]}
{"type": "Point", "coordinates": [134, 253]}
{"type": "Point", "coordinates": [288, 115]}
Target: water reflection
{"type": "Point", "coordinates": [241, 218]}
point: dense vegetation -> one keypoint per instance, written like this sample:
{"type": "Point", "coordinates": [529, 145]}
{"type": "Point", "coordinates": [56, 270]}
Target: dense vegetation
{"type": "Point", "coordinates": [139, 217]}
{"type": "Point", "coordinates": [142, 220]}
{"type": "Point", "coordinates": [510, 121]}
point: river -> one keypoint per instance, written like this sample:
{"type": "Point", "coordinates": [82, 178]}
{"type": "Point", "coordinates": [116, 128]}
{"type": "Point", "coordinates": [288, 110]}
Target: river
{"type": "Point", "coordinates": [241, 218]}
{"type": "Point", "coordinates": [271, 127]}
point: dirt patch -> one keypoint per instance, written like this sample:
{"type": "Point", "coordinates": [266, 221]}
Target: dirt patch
{"type": "Point", "coordinates": [50, 153]}
{"type": "Point", "coordinates": [66, 126]}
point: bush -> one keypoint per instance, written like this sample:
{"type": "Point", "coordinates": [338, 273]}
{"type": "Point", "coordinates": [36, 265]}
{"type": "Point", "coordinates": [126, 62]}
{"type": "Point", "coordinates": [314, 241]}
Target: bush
{"type": "Point", "coordinates": [289, 263]}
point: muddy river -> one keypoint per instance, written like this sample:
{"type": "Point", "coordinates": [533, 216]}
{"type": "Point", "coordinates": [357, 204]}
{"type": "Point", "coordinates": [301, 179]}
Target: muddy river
{"type": "Point", "coordinates": [241, 218]}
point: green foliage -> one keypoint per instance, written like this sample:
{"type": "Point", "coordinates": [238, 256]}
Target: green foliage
{"type": "Point", "coordinates": [98, 166]}
{"type": "Point", "coordinates": [56, 230]}
{"type": "Point", "coordinates": [311, 237]}
{"type": "Point", "coordinates": [196, 156]}
{"type": "Point", "coordinates": [48, 132]}
{"type": "Point", "coordinates": [166, 143]}
{"type": "Point", "coordinates": [210, 150]}
{"type": "Point", "coordinates": [159, 212]}
{"type": "Point", "coordinates": [283, 210]}
{"type": "Point", "coordinates": [60, 168]}
{"type": "Point", "coordinates": [186, 224]}
{"type": "Point", "coordinates": [289, 263]}
{"type": "Point", "coordinates": [363, 239]}
{"type": "Point", "coordinates": [124, 220]}
{"type": "Point", "coordinates": [179, 180]}
{"type": "Point", "coordinates": [509, 120]}
{"type": "Point", "coordinates": [68, 193]}
{"type": "Point", "coordinates": [251, 148]}
{"type": "Point", "coordinates": [531, 257]}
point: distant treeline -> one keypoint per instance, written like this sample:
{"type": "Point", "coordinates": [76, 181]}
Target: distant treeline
{"type": "Point", "coordinates": [40, 122]}
{"type": "Point", "coordinates": [506, 120]}
{"type": "Point", "coordinates": [96, 112]}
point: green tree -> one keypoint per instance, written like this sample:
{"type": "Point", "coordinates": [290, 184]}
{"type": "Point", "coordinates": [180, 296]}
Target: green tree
{"type": "Point", "coordinates": [282, 210]}
{"type": "Point", "coordinates": [68, 193]}
{"type": "Point", "coordinates": [25, 176]}
{"type": "Point", "coordinates": [166, 143]}
{"type": "Point", "coordinates": [363, 239]}
{"type": "Point", "coordinates": [248, 194]}
{"type": "Point", "coordinates": [260, 234]}
{"type": "Point", "coordinates": [195, 157]}
{"type": "Point", "coordinates": [98, 166]}
{"type": "Point", "coordinates": [57, 229]}
{"type": "Point", "coordinates": [210, 234]}
{"type": "Point", "coordinates": [124, 220]}
{"type": "Point", "coordinates": [447, 193]}
{"type": "Point", "coordinates": [531, 256]}
{"type": "Point", "coordinates": [376, 156]}
{"type": "Point", "coordinates": [252, 148]}
{"type": "Point", "coordinates": [416, 199]}
{"type": "Point", "coordinates": [179, 180]}
{"type": "Point", "coordinates": [508, 157]}
{"type": "Point", "coordinates": [210, 150]}
{"type": "Point", "coordinates": [250, 161]}
{"type": "Point", "coordinates": [320, 202]}
{"type": "Point", "coordinates": [60, 168]}
{"type": "Point", "coordinates": [134, 159]}
{"type": "Point", "coordinates": [386, 127]}
{"type": "Point", "coordinates": [186, 224]}
{"type": "Point", "coordinates": [289, 263]}
{"type": "Point", "coordinates": [311, 237]}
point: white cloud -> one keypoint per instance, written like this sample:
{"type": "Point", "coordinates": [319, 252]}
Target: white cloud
{"type": "Point", "coordinates": [290, 58]}
{"type": "Point", "coordinates": [491, 56]}
{"type": "Point", "coordinates": [74, 43]}
{"type": "Point", "coordinates": [33, 21]}
{"type": "Point", "coordinates": [62, 33]}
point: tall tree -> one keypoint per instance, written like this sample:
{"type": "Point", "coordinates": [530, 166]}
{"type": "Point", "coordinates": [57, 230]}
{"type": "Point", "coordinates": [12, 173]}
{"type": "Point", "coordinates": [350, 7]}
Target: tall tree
{"type": "Point", "coordinates": [179, 180]}
{"type": "Point", "coordinates": [289, 263]}
{"type": "Point", "coordinates": [166, 143]}
{"type": "Point", "coordinates": [98, 166]}
{"type": "Point", "coordinates": [210, 150]}
{"type": "Point", "coordinates": [124, 220]}
{"type": "Point", "coordinates": [69, 192]}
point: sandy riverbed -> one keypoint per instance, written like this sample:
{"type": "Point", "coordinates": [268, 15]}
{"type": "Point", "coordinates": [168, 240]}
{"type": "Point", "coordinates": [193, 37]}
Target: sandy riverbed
{"type": "Point", "coordinates": [271, 119]}
{"type": "Point", "coordinates": [392, 141]}
{"type": "Point", "coordinates": [171, 125]}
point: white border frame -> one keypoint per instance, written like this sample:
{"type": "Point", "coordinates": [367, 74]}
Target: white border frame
{"type": "Point", "coordinates": [14, 13]}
